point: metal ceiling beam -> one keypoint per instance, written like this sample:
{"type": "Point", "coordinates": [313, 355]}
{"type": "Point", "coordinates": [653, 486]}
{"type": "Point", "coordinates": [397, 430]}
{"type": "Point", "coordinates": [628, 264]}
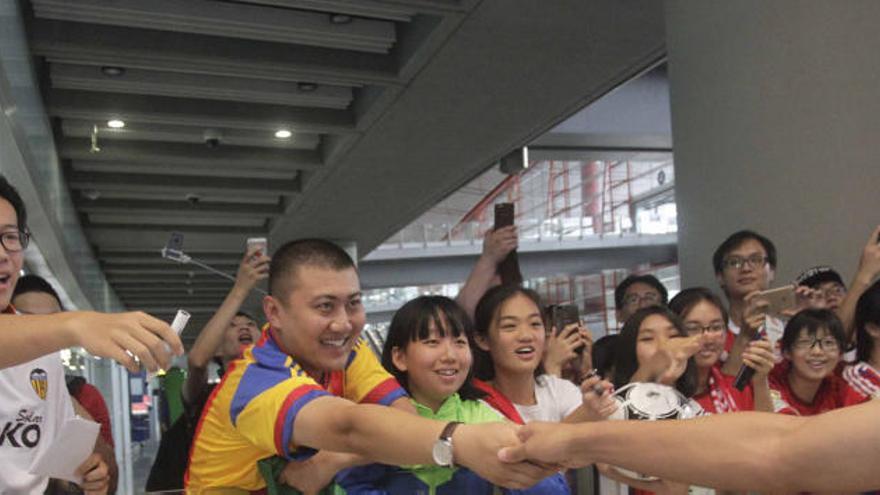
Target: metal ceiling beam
{"type": "Point", "coordinates": [398, 10]}
{"type": "Point", "coordinates": [199, 86]}
{"type": "Point", "coordinates": [138, 131]}
{"type": "Point", "coordinates": [188, 159]}
{"type": "Point", "coordinates": [227, 19]}
{"type": "Point", "coordinates": [154, 168]}
{"type": "Point", "coordinates": [194, 184]}
{"type": "Point", "coordinates": [148, 268]}
{"type": "Point", "coordinates": [122, 228]}
{"type": "Point", "coordinates": [192, 53]}
{"type": "Point", "coordinates": [160, 208]}
{"type": "Point", "coordinates": [102, 107]}
{"type": "Point", "coordinates": [190, 156]}
{"type": "Point", "coordinates": [363, 8]}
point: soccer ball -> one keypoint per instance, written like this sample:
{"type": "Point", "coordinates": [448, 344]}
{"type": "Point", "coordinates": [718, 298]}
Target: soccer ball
{"type": "Point", "coordinates": [652, 401]}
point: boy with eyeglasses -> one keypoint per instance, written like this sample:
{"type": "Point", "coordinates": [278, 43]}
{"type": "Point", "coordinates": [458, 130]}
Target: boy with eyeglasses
{"type": "Point", "coordinates": [637, 292]}
{"type": "Point", "coordinates": [34, 400]}
{"type": "Point", "coordinates": [744, 264]}
{"type": "Point", "coordinates": [805, 383]}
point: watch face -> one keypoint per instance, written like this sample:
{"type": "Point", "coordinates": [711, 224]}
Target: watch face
{"type": "Point", "coordinates": [442, 453]}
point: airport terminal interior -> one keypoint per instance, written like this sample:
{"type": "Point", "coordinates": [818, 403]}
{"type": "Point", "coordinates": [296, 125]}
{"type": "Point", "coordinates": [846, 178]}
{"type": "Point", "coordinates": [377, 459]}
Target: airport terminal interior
{"type": "Point", "coordinates": [394, 128]}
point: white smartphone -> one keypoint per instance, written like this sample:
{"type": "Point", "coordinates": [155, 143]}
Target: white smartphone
{"type": "Point", "coordinates": [260, 243]}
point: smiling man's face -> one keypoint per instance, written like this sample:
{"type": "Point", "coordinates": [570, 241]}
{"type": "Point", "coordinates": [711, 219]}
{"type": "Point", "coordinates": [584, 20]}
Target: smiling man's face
{"type": "Point", "coordinates": [320, 318]}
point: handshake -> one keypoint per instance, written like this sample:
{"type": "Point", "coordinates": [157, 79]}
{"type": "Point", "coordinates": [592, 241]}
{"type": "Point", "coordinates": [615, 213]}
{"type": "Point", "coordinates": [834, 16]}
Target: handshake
{"type": "Point", "coordinates": [514, 456]}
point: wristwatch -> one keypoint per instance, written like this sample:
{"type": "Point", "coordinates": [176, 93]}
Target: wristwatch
{"type": "Point", "coordinates": [442, 451]}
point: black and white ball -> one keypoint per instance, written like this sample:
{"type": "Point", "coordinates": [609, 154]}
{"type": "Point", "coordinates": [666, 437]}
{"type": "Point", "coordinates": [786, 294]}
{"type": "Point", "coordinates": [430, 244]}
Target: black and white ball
{"type": "Point", "coordinates": [652, 401]}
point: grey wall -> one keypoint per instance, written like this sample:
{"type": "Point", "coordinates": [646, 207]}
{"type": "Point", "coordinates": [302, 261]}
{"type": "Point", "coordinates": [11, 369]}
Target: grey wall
{"type": "Point", "coordinates": [776, 127]}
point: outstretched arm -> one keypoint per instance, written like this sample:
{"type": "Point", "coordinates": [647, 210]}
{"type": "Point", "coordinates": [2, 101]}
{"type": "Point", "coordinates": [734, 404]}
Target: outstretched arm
{"type": "Point", "coordinates": [388, 435]}
{"type": "Point", "coordinates": [101, 334]}
{"type": "Point", "coordinates": [836, 451]}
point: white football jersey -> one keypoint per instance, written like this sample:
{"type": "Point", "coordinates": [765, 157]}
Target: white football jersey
{"type": "Point", "coordinates": [35, 402]}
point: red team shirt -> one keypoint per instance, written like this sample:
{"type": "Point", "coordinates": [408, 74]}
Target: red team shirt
{"type": "Point", "coordinates": [834, 393]}
{"type": "Point", "coordinates": [721, 396]}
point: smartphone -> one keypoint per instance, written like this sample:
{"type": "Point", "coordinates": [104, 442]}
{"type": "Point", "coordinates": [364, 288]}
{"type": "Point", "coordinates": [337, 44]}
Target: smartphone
{"type": "Point", "coordinates": [508, 269]}
{"type": "Point", "coordinates": [260, 243]}
{"type": "Point", "coordinates": [780, 299]}
{"type": "Point", "coordinates": [563, 315]}
{"type": "Point", "coordinates": [175, 242]}
{"type": "Point", "coordinates": [503, 215]}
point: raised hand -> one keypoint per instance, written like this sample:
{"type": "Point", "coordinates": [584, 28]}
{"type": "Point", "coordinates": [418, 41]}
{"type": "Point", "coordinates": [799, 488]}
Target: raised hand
{"type": "Point", "coordinates": [678, 350]}
{"type": "Point", "coordinates": [869, 263]}
{"type": "Point", "coordinates": [562, 348]}
{"type": "Point", "coordinates": [254, 267]}
{"type": "Point", "coordinates": [497, 244]}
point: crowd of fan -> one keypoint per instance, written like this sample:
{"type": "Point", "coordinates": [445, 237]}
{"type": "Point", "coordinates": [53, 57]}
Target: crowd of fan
{"type": "Point", "coordinates": [490, 357]}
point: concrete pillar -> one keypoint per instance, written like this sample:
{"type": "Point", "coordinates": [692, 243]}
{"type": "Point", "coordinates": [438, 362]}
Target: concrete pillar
{"type": "Point", "coordinates": [776, 127]}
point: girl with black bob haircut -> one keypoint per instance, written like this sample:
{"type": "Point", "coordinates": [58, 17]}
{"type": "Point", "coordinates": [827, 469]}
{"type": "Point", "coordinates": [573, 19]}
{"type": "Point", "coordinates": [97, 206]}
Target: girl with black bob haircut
{"type": "Point", "coordinates": [414, 322]}
{"type": "Point", "coordinates": [428, 350]}
{"type": "Point", "coordinates": [807, 381]}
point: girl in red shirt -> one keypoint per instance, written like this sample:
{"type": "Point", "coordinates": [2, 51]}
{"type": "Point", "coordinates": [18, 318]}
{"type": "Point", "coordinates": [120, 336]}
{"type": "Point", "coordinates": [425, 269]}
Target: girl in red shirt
{"type": "Point", "coordinates": [702, 312]}
{"type": "Point", "coordinates": [805, 383]}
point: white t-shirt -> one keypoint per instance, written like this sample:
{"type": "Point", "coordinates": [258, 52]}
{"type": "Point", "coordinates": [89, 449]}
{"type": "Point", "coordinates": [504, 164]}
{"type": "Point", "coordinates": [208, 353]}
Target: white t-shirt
{"type": "Point", "coordinates": [34, 403]}
{"type": "Point", "coordinates": [556, 398]}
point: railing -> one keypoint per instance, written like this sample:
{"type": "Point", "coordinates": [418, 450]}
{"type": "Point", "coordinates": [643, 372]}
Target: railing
{"type": "Point", "coordinates": [553, 229]}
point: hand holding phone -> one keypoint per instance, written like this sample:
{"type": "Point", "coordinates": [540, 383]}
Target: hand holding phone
{"type": "Point", "coordinates": [508, 269]}
{"type": "Point", "coordinates": [779, 300]}
{"type": "Point", "coordinates": [259, 243]}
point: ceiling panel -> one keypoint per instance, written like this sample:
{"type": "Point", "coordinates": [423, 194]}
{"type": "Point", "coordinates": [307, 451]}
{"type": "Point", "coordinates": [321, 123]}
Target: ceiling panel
{"type": "Point", "coordinates": [390, 105]}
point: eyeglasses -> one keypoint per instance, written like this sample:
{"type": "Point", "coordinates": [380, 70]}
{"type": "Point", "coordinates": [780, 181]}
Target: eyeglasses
{"type": "Point", "coordinates": [836, 291]}
{"type": "Point", "coordinates": [826, 344]}
{"type": "Point", "coordinates": [648, 298]}
{"type": "Point", "coordinates": [695, 328]}
{"type": "Point", "coordinates": [739, 263]}
{"type": "Point", "coordinates": [14, 241]}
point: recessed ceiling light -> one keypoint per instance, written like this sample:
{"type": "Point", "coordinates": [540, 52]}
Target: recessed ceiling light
{"type": "Point", "coordinates": [307, 86]}
{"type": "Point", "coordinates": [115, 124]}
{"type": "Point", "coordinates": [340, 19]}
{"type": "Point", "coordinates": [112, 71]}
{"type": "Point", "coordinates": [283, 134]}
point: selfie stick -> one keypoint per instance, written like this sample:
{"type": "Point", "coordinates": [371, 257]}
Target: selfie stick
{"type": "Point", "coordinates": [183, 258]}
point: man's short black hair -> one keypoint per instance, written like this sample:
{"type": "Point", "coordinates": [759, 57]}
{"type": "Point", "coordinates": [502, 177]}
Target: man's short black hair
{"type": "Point", "coordinates": [620, 290]}
{"type": "Point", "coordinates": [9, 193]}
{"type": "Point", "coordinates": [35, 283]}
{"type": "Point", "coordinates": [735, 240]}
{"type": "Point", "coordinates": [303, 252]}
